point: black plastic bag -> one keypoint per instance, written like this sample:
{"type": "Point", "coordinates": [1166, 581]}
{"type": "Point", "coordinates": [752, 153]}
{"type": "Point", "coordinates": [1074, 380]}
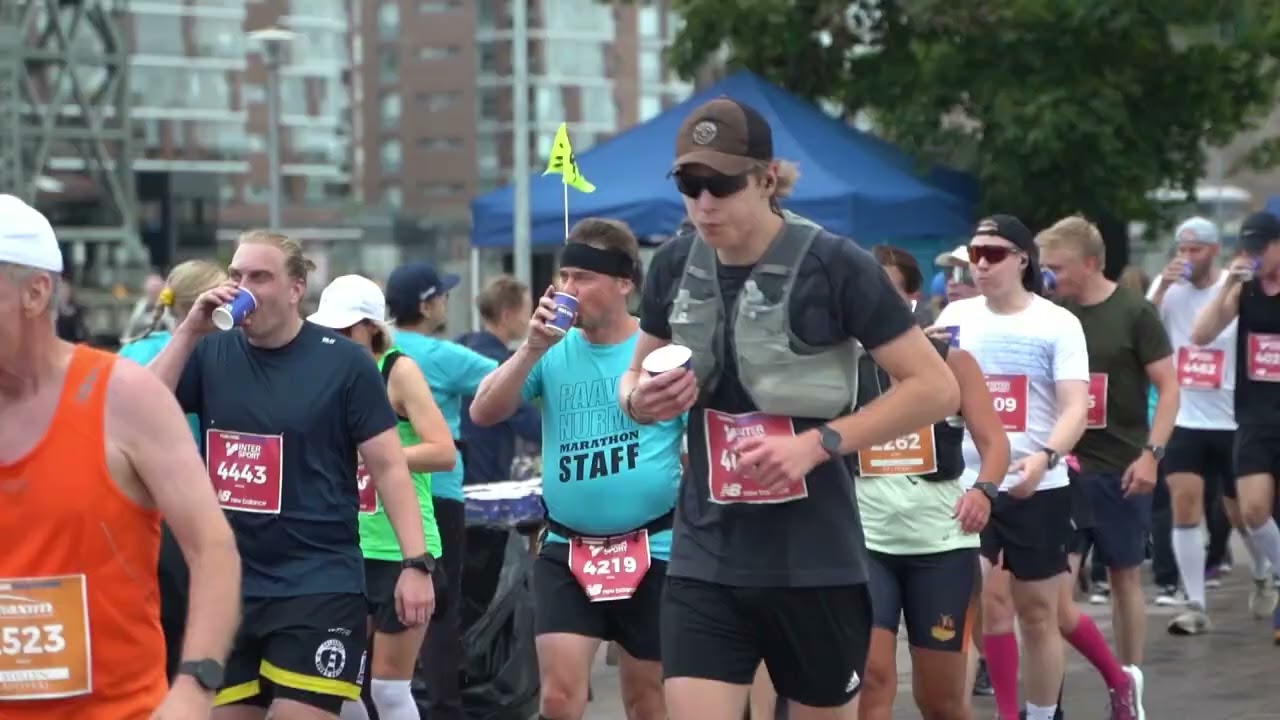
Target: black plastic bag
{"type": "Point", "coordinates": [499, 659]}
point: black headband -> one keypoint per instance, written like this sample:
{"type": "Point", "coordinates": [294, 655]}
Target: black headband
{"type": "Point", "coordinates": [606, 262]}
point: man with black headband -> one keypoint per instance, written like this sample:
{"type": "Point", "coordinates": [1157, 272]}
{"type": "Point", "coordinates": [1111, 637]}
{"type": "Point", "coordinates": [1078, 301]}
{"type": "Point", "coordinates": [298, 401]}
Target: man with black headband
{"type": "Point", "coordinates": [768, 562]}
{"type": "Point", "coordinates": [609, 483]}
{"type": "Point", "coordinates": [1037, 366]}
{"type": "Point", "coordinates": [1252, 294]}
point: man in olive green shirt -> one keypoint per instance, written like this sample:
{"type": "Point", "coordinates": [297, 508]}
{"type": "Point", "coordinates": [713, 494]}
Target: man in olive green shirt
{"type": "Point", "coordinates": [1120, 450]}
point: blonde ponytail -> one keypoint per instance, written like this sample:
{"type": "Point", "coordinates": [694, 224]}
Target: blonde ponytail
{"type": "Point", "coordinates": [186, 282]}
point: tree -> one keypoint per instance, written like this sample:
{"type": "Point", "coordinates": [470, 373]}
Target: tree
{"type": "Point", "coordinates": [1057, 106]}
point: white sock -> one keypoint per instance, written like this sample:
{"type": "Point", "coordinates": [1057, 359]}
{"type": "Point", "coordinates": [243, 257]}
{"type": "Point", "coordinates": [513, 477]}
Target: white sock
{"type": "Point", "coordinates": [1036, 712]}
{"type": "Point", "coordinates": [1189, 552]}
{"type": "Point", "coordinates": [1259, 565]}
{"type": "Point", "coordinates": [1266, 541]}
{"type": "Point", "coordinates": [354, 711]}
{"type": "Point", "coordinates": [394, 700]}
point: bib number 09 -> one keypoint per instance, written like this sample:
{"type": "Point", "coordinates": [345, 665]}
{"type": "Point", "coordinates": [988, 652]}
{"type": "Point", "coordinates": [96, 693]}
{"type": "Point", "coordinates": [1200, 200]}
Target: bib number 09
{"type": "Point", "coordinates": [32, 640]}
{"type": "Point", "coordinates": [243, 472]}
{"type": "Point", "coordinates": [1005, 404]}
{"type": "Point", "coordinates": [610, 566]}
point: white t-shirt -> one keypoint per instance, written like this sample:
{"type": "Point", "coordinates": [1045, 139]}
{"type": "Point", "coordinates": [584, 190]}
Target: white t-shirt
{"type": "Point", "coordinates": [1201, 407]}
{"type": "Point", "coordinates": [1023, 356]}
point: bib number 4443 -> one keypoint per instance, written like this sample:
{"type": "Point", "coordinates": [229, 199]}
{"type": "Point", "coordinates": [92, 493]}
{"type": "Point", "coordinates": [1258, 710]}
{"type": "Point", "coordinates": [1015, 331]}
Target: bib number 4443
{"type": "Point", "coordinates": [247, 470]}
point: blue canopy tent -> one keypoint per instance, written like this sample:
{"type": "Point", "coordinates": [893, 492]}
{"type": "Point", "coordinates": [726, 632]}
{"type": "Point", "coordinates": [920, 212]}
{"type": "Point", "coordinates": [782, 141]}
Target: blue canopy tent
{"type": "Point", "coordinates": [850, 182]}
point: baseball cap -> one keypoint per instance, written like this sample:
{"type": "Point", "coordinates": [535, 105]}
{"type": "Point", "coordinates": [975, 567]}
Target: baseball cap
{"type": "Point", "coordinates": [26, 237]}
{"type": "Point", "coordinates": [1197, 230]}
{"type": "Point", "coordinates": [957, 257]}
{"type": "Point", "coordinates": [1015, 231]}
{"type": "Point", "coordinates": [728, 136]}
{"type": "Point", "coordinates": [411, 284]}
{"type": "Point", "coordinates": [1258, 231]}
{"type": "Point", "coordinates": [349, 300]}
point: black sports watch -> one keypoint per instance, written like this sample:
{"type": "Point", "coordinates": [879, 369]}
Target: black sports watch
{"type": "Point", "coordinates": [1054, 457]}
{"type": "Point", "coordinates": [207, 672]}
{"type": "Point", "coordinates": [1157, 451]}
{"type": "Point", "coordinates": [989, 489]}
{"type": "Point", "coordinates": [830, 440]}
{"type": "Point", "coordinates": [423, 563]}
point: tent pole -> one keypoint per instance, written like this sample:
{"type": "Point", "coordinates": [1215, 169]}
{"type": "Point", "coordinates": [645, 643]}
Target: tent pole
{"type": "Point", "coordinates": [520, 109]}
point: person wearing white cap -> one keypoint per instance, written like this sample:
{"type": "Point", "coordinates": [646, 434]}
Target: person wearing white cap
{"type": "Point", "coordinates": [355, 307]}
{"type": "Point", "coordinates": [93, 453]}
{"type": "Point", "coordinates": [959, 279]}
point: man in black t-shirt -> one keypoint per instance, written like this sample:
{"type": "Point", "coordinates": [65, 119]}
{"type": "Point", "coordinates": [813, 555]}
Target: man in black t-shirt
{"type": "Point", "coordinates": [284, 407]}
{"type": "Point", "coordinates": [768, 561]}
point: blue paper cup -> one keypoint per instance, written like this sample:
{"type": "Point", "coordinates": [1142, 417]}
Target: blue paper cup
{"type": "Point", "coordinates": [667, 358]}
{"type": "Point", "coordinates": [233, 313]}
{"type": "Point", "coordinates": [954, 331]}
{"type": "Point", "coordinates": [1050, 280]}
{"type": "Point", "coordinates": [566, 312]}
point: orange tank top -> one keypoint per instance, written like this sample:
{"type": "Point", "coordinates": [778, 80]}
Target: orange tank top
{"type": "Point", "coordinates": [80, 633]}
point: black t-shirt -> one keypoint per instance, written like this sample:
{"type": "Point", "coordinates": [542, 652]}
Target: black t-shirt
{"type": "Point", "coordinates": [1257, 345]}
{"type": "Point", "coordinates": [310, 403]}
{"type": "Point", "coordinates": [841, 292]}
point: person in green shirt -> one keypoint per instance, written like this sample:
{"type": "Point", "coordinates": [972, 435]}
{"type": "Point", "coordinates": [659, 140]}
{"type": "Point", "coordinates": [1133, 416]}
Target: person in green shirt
{"type": "Point", "coordinates": [355, 307]}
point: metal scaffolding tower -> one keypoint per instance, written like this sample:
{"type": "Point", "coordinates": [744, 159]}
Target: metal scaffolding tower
{"type": "Point", "coordinates": [64, 119]}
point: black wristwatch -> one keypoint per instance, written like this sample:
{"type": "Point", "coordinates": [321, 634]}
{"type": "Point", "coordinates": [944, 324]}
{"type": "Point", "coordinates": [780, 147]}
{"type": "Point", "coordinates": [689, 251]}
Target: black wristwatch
{"type": "Point", "coordinates": [1157, 451]}
{"type": "Point", "coordinates": [423, 563]}
{"type": "Point", "coordinates": [830, 440]}
{"type": "Point", "coordinates": [1054, 457]}
{"type": "Point", "coordinates": [989, 489]}
{"type": "Point", "coordinates": [208, 672]}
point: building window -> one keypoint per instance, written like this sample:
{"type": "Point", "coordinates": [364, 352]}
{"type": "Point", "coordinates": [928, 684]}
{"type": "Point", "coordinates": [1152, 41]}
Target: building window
{"type": "Point", "coordinates": [578, 16]}
{"type": "Point", "coordinates": [158, 34]}
{"type": "Point", "coordinates": [321, 47]}
{"type": "Point", "coordinates": [426, 7]}
{"type": "Point", "coordinates": [391, 156]}
{"type": "Point", "coordinates": [650, 106]}
{"type": "Point", "coordinates": [390, 111]}
{"type": "Point", "coordinates": [393, 197]}
{"type": "Point", "coordinates": [486, 153]}
{"type": "Point", "coordinates": [442, 189]}
{"type": "Point", "coordinates": [293, 95]}
{"type": "Point", "coordinates": [437, 101]}
{"type": "Point", "coordinates": [548, 104]}
{"type": "Point", "coordinates": [438, 53]}
{"type": "Point", "coordinates": [599, 107]}
{"type": "Point", "coordinates": [649, 22]}
{"type": "Point", "coordinates": [389, 19]}
{"type": "Point", "coordinates": [219, 37]}
{"type": "Point", "coordinates": [488, 104]}
{"type": "Point", "coordinates": [487, 58]}
{"type": "Point", "coordinates": [389, 64]}
{"type": "Point", "coordinates": [484, 14]}
{"type": "Point", "coordinates": [328, 9]}
{"type": "Point", "coordinates": [650, 67]}
{"type": "Point", "coordinates": [575, 58]}
{"type": "Point", "coordinates": [441, 144]}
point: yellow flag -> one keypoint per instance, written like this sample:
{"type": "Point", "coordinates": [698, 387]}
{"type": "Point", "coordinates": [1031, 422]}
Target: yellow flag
{"type": "Point", "coordinates": [564, 163]}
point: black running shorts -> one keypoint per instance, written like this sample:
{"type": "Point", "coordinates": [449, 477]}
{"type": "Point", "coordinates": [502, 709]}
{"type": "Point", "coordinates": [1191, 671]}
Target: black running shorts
{"type": "Point", "coordinates": [1032, 534]}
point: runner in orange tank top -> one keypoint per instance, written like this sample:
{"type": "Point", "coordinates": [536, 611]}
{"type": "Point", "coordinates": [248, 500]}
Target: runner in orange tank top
{"type": "Point", "coordinates": [92, 453]}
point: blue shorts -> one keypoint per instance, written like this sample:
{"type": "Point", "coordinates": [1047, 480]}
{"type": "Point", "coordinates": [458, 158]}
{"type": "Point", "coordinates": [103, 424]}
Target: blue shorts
{"type": "Point", "coordinates": [1121, 525]}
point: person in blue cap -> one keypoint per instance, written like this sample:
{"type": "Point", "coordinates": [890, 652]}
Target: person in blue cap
{"type": "Point", "coordinates": [417, 301]}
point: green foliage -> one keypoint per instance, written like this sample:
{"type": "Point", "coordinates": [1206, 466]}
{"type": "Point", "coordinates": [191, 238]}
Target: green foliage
{"type": "Point", "coordinates": [1057, 106]}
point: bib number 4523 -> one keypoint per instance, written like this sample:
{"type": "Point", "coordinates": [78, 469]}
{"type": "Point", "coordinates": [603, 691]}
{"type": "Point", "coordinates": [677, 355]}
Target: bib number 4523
{"type": "Point", "coordinates": [32, 640]}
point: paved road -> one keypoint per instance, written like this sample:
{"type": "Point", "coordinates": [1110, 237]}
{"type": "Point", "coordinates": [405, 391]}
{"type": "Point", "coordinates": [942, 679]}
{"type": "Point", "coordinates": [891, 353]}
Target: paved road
{"type": "Point", "coordinates": [1231, 674]}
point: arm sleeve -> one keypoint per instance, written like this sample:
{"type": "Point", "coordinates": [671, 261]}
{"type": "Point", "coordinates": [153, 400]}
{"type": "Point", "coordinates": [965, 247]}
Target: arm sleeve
{"type": "Point", "coordinates": [1151, 338]}
{"type": "Point", "coordinates": [1070, 351]}
{"type": "Point", "coordinates": [190, 390]}
{"type": "Point", "coordinates": [369, 412]}
{"type": "Point", "coordinates": [871, 310]}
{"type": "Point", "coordinates": [655, 299]}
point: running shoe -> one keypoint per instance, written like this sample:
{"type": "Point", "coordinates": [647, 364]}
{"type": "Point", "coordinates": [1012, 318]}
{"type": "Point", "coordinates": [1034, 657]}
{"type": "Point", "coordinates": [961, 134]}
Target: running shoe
{"type": "Point", "coordinates": [1169, 596]}
{"type": "Point", "coordinates": [1101, 594]}
{"type": "Point", "coordinates": [982, 681]}
{"type": "Point", "coordinates": [1263, 599]}
{"type": "Point", "coordinates": [1275, 626]}
{"type": "Point", "coordinates": [1213, 577]}
{"type": "Point", "coordinates": [1192, 621]}
{"type": "Point", "coordinates": [1136, 681]}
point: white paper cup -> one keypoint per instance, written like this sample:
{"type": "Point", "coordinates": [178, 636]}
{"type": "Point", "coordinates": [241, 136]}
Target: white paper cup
{"type": "Point", "coordinates": [668, 357]}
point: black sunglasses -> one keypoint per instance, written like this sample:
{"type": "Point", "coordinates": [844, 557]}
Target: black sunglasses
{"type": "Point", "coordinates": [720, 186]}
{"type": "Point", "coordinates": [993, 254]}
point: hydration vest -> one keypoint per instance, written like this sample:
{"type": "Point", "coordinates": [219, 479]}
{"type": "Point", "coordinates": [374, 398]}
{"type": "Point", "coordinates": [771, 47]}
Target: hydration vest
{"type": "Point", "coordinates": [948, 434]}
{"type": "Point", "coordinates": [782, 374]}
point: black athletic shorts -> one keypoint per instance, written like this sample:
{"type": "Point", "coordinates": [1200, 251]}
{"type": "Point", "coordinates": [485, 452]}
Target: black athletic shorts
{"type": "Point", "coordinates": [813, 640]}
{"type": "Point", "coordinates": [1257, 450]}
{"type": "Point", "coordinates": [562, 606]}
{"type": "Point", "coordinates": [1207, 453]}
{"type": "Point", "coordinates": [380, 578]}
{"type": "Point", "coordinates": [934, 592]}
{"type": "Point", "coordinates": [1034, 534]}
{"type": "Point", "coordinates": [309, 649]}
{"type": "Point", "coordinates": [1122, 524]}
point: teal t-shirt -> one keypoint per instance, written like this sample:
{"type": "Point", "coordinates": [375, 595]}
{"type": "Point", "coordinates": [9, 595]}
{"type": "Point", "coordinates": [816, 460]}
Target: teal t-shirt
{"type": "Point", "coordinates": [453, 372]}
{"type": "Point", "coordinates": [1152, 397]}
{"type": "Point", "coordinates": [143, 351]}
{"type": "Point", "coordinates": [602, 473]}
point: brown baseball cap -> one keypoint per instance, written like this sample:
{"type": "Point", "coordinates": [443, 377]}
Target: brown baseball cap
{"type": "Point", "coordinates": [728, 136]}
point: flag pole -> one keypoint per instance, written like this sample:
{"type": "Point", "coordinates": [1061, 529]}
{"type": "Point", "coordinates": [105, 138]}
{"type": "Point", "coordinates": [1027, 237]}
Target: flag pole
{"type": "Point", "coordinates": [566, 211]}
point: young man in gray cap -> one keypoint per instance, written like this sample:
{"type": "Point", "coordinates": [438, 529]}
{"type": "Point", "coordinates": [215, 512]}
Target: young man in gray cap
{"type": "Point", "coordinates": [1251, 298]}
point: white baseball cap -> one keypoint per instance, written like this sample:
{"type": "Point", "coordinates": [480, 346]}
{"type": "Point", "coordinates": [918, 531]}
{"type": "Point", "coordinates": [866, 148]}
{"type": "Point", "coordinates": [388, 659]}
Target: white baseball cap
{"type": "Point", "coordinates": [1197, 230]}
{"type": "Point", "coordinates": [957, 257]}
{"type": "Point", "coordinates": [26, 237]}
{"type": "Point", "coordinates": [348, 300]}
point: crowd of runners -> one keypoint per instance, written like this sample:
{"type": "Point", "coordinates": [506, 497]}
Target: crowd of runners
{"type": "Point", "coordinates": [749, 488]}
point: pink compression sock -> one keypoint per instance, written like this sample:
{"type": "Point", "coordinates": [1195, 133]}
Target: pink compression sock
{"type": "Point", "coordinates": [1088, 641]}
{"type": "Point", "coordinates": [1001, 653]}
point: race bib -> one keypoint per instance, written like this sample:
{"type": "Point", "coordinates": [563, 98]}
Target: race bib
{"type": "Point", "coordinates": [610, 568]}
{"type": "Point", "coordinates": [44, 638]}
{"type": "Point", "coordinates": [1009, 396]}
{"type": "Point", "coordinates": [369, 503]}
{"type": "Point", "coordinates": [912, 454]}
{"type": "Point", "coordinates": [727, 485]}
{"type": "Point", "coordinates": [1264, 357]}
{"type": "Point", "coordinates": [1096, 419]}
{"type": "Point", "coordinates": [246, 470]}
{"type": "Point", "coordinates": [1200, 368]}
